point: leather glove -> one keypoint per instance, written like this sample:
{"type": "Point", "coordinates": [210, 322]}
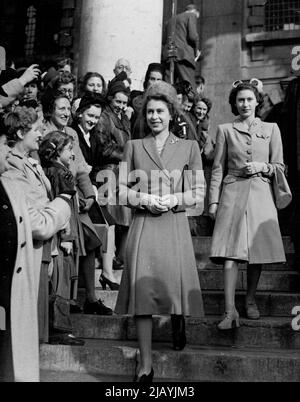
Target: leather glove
{"type": "Point", "coordinates": [67, 183]}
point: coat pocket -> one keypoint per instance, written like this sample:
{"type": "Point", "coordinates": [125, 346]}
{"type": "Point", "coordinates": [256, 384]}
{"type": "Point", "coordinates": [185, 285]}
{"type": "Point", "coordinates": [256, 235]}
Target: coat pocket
{"type": "Point", "coordinates": [263, 136]}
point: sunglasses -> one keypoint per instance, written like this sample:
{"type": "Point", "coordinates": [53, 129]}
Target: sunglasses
{"type": "Point", "coordinates": [254, 82]}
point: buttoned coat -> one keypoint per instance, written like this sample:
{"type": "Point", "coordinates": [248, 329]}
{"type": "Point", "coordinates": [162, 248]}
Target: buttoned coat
{"type": "Point", "coordinates": [160, 275]}
{"type": "Point", "coordinates": [39, 224]}
{"type": "Point", "coordinates": [36, 187]}
{"type": "Point", "coordinates": [246, 227]}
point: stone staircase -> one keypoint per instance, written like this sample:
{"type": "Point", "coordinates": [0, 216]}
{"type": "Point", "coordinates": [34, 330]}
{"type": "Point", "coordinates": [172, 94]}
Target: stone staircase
{"type": "Point", "coordinates": [264, 350]}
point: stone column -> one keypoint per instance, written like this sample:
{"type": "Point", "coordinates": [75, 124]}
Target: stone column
{"type": "Point", "coordinates": [113, 29]}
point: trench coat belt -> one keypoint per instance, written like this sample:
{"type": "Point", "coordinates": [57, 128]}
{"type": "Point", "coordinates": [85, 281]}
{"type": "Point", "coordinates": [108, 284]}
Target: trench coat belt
{"type": "Point", "coordinates": [241, 173]}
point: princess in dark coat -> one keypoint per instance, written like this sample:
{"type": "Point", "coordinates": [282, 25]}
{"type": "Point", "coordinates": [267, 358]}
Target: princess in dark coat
{"type": "Point", "coordinates": [160, 275]}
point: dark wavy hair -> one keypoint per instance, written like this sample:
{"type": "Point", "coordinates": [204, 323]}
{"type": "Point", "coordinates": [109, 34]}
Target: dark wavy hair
{"type": "Point", "coordinates": [88, 100]}
{"type": "Point", "coordinates": [242, 87]}
{"type": "Point", "coordinates": [52, 146]}
{"type": "Point", "coordinates": [20, 119]}
{"type": "Point", "coordinates": [208, 102]}
{"type": "Point", "coordinates": [86, 78]}
{"type": "Point", "coordinates": [48, 102]}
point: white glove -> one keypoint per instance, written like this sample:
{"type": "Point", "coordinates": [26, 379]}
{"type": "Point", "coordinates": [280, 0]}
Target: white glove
{"type": "Point", "coordinates": [152, 203]}
{"type": "Point", "coordinates": [256, 167]}
{"type": "Point", "coordinates": [169, 201]}
{"type": "Point", "coordinates": [212, 212]}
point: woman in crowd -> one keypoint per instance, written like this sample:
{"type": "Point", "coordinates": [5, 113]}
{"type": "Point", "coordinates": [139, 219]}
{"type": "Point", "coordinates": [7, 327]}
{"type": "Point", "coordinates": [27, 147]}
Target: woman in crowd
{"type": "Point", "coordinates": [201, 120]}
{"type": "Point", "coordinates": [113, 131]}
{"type": "Point", "coordinates": [87, 117]}
{"type": "Point", "coordinates": [22, 222]}
{"type": "Point", "coordinates": [57, 112]}
{"type": "Point", "coordinates": [24, 135]}
{"type": "Point", "coordinates": [155, 73]}
{"type": "Point", "coordinates": [160, 276]}
{"type": "Point", "coordinates": [248, 152]}
{"type": "Point", "coordinates": [91, 82]}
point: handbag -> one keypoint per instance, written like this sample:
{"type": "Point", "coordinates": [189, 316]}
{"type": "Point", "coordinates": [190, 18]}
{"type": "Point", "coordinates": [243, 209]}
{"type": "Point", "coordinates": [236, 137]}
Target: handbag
{"type": "Point", "coordinates": [281, 190]}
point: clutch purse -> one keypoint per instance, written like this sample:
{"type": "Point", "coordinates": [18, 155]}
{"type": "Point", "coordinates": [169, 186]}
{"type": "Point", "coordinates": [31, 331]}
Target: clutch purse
{"type": "Point", "coordinates": [281, 190]}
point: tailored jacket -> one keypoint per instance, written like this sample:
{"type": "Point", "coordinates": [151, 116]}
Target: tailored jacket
{"type": "Point", "coordinates": [160, 178]}
{"type": "Point", "coordinates": [186, 36]}
{"type": "Point", "coordinates": [246, 225]}
{"type": "Point", "coordinates": [39, 224]}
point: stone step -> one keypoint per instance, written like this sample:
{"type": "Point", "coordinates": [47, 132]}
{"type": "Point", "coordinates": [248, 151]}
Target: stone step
{"type": "Point", "coordinates": [266, 333]}
{"type": "Point", "coordinates": [212, 279]}
{"type": "Point", "coordinates": [66, 376]}
{"type": "Point", "coordinates": [274, 304]}
{"type": "Point", "coordinates": [194, 363]}
{"type": "Point", "coordinates": [281, 281]}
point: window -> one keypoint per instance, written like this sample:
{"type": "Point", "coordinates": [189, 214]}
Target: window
{"type": "Point", "coordinates": [30, 31]}
{"type": "Point", "coordinates": [282, 15]}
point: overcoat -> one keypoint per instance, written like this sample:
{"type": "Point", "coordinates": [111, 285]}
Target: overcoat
{"type": "Point", "coordinates": [113, 133]}
{"type": "Point", "coordinates": [39, 224]}
{"type": "Point", "coordinates": [31, 178]}
{"type": "Point", "coordinates": [186, 37]}
{"type": "Point", "coordinates": [160, 275]}
{"type": "Point", "coordinates": [246, 227]}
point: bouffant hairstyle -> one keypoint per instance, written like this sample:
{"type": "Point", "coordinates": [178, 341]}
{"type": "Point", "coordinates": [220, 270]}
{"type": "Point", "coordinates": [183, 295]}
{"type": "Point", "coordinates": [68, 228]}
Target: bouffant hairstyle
{"type": "Point", "coordinates": [207, 101]}
{"type": "Point", "coordinates": [242, 87]}
{"type": "Point", "coordinates": [52, 146]}
{"type": "Point", "coordinates": [85, 80]}
{"type": "Point", "coordinates": [48, 102]}
{"type": "Point", "coordinates": [20, 119]}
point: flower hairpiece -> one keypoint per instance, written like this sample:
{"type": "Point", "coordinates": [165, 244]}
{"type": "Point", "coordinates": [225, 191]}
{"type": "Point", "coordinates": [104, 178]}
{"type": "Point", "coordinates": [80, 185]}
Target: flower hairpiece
{"type": "Point", "coordinates": [255, 82]}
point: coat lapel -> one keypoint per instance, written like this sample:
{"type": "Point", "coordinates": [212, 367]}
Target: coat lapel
{"type": "Point", "coordinates": [170, 149]}
{"type": "Point", "coordinates": [240, 126]}
{"type": "Point", "coordinates": [150, 147]}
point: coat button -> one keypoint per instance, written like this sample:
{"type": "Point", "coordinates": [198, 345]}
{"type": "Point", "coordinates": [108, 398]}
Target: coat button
{"type": "Point", "coordinates": [23, 244]}
{"type": "Point", "coordinates": [5, 207]}
{"type": "Point", "coordinates": [19, 270]}
{"type": "Point", "coordinates": [249, 142]}
{"type": "Point", "coordinates": [21, 219]}
{"type": "Point", "coordinates": [249, 152]}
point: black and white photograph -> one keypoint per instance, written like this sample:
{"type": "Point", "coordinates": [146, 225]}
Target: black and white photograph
{"type": "Point", "coordinates": [150, 194]}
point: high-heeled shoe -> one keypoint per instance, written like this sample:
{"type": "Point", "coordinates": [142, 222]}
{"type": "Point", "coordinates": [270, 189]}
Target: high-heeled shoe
{"type": "Point", "coordinates": [178, 332]}
{"type": "Point", "coordinates": [146, 378]}
{"type": "Point", "coordinates": [231, 320]}
{"type": "Point", "coordinates": [104, 281]}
